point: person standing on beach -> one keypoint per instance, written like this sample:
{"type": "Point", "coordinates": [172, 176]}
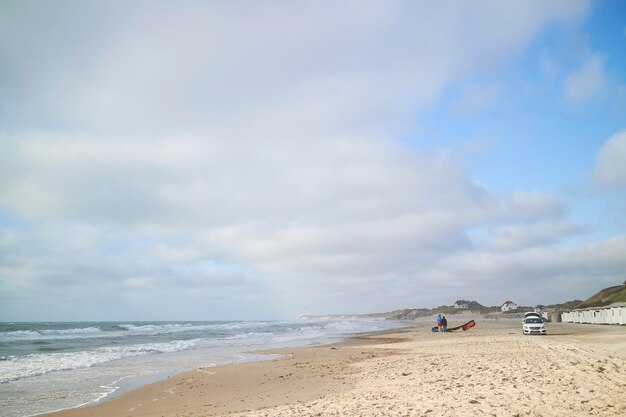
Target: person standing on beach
{"type": "Point", "coordinates": [439, 323]}
{"type": "Point", "coordinates": [444, 324]}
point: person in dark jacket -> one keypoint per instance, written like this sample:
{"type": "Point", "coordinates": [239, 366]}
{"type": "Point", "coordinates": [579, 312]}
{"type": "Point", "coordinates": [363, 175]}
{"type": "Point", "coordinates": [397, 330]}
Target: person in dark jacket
{"type": "Point", "coordinates": [444, 324]}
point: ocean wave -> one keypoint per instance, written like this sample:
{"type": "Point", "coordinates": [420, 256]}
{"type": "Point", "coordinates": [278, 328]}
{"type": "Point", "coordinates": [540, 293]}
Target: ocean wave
{"type": "Point", "coordinates": [166, 328]}
{"type": "Point", "coordinates": [114, 330]}
{"type": "Point", "coordinates": [13, 368]}
{"type": "Point", "coordinates": [233, 336]}
{"type": "Point", "coordinates": [38, 334]}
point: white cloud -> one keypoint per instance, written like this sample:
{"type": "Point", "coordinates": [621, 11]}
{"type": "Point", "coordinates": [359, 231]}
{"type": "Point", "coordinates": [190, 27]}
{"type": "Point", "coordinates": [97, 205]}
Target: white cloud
{"type": "Point", "coordinates": [212, 157]}
{"type": "Point", "coordinates": [477, 98]}
{"type": "Point", "coordinates": [610, 167]}
{"type": "Point", "coordinates": [554, 272]}
{"type": "Point", "coordinates": [212, 65]}
{"type": "Point", "coordinates": [512, 237]}
{"type": "Point", "coordinates": [586, 82]}
{"type": "Point", "coordinates": [548, 66]}
{"type": "Point", "coordinates": [220, 218]}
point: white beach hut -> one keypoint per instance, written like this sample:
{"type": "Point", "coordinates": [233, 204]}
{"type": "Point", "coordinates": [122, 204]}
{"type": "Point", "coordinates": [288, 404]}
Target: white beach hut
{"type": "Point", "coordinates": [611, 314]}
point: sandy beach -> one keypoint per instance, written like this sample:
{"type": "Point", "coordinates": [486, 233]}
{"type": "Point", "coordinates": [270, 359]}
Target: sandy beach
{"type": "Point", "coordinates": [492, 369]}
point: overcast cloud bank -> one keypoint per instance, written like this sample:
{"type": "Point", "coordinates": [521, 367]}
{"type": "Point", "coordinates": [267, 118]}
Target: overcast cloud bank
{"type": "Point", "coordinates": [255, 160]}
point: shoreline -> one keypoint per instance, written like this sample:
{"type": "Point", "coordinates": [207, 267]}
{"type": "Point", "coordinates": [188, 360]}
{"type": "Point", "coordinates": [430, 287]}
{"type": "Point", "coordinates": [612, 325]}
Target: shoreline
{"type": "Point", "coordinates": [62, 366]}
{"type": "Point", "coordinates": [574, 370]}
{"type": "Point", "coordinates": [243, 378]}
{"type": "Point", "coordinates": [140, 381]}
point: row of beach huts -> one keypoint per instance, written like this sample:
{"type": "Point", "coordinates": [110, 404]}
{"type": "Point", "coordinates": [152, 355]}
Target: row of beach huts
{"type": "Point", "coordinates": [611, 314]}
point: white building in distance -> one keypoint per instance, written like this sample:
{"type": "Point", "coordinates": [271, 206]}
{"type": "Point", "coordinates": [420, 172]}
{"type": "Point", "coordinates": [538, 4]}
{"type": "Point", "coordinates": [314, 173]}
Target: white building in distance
{"type": "Point", "coordinates": [508, 306]}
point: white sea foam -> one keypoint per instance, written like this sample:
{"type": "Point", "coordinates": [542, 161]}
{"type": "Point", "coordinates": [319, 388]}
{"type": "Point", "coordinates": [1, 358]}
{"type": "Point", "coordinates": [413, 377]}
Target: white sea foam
{"type": "Point", "coordinates": [222, 335]}
{"type": "Point", "coordinates": [56, 334]}
{"type": "Point", "coordinates": [127, 329]}
{"type": "Point", "coordinates": [49, 334]}
{"type": "Point", "coordinates": [13, 368]}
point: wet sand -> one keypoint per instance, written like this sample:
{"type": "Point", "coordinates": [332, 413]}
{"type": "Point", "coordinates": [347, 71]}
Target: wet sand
{"type": "Point", "coordinates": [492, 369]}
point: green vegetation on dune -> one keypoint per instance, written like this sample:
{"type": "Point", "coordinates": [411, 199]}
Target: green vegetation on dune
{"type": "Point", "coordinates": [412, 313]}
{"type": "Point", "coordinates": [605, 297]}
{"type": "Point", "coordinates": [569, 305]}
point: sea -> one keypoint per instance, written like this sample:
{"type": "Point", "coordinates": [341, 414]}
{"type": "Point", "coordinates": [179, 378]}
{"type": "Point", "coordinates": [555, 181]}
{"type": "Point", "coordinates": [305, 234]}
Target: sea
{"type": "Point", "coordinates": [54, 366]}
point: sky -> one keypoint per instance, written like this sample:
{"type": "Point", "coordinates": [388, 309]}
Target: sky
{"type": "Point", "coordinates": [211, 160]}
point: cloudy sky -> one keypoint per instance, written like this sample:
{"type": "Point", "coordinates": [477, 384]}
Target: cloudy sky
{"type": "Point", "coordinates": [262, 159]}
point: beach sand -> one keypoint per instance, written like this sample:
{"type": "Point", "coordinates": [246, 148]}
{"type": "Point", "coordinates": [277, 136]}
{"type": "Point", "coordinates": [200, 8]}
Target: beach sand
{"type": "Point", "coordinates": [492, 369]}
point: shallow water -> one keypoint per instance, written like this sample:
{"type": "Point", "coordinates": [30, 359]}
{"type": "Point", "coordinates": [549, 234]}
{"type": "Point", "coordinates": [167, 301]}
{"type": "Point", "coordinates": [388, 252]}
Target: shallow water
{"type": "Point", "coordinates": [52, 366]}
